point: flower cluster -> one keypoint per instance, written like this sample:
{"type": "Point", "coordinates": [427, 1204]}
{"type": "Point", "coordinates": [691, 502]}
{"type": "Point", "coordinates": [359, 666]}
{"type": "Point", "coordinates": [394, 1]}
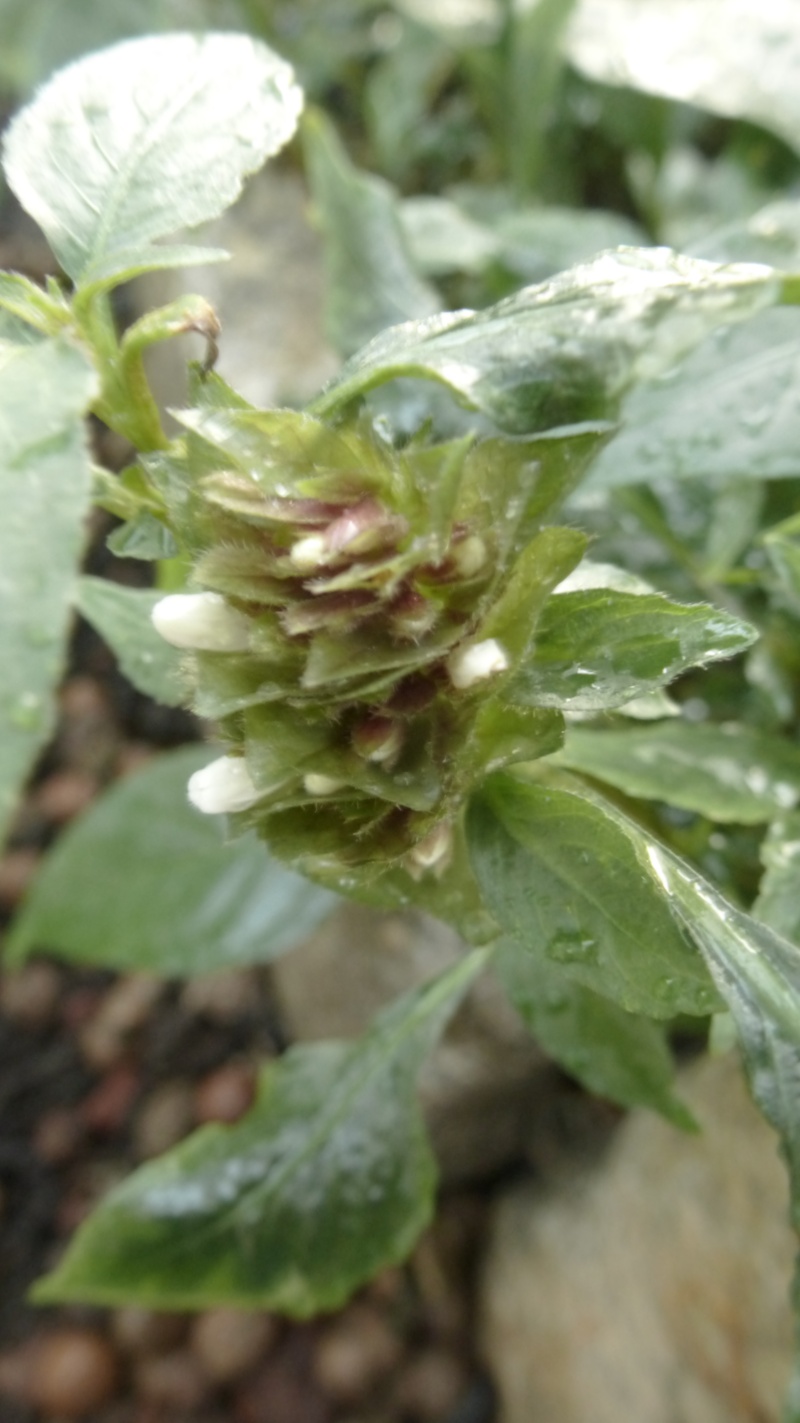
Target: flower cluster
{"type": "Point", "coordinates": [352, 633]}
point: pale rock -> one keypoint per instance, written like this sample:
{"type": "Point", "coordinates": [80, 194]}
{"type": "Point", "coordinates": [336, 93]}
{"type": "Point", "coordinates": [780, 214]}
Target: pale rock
{"type": "Point", "coordinates": [654, 1287]}
{"type": "Point", "coordinates": [479, 1088]}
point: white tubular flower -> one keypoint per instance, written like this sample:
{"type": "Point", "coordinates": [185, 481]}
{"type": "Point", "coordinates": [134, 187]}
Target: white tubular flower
{"type": "Point", "coordinates": [224, 785]}
{"type": "Point", "coordinates": [316, 784]}
{"type": "Point", "coordinates": [202, 622]}
{"type": "Point", "coordinates": [308, 553]}
{"type": "Point", "coordinates": [433, 852]}
{"type": "Point", "coordinates": [471, 664]}
{"type": "Point", "coordinates": [469, 555]}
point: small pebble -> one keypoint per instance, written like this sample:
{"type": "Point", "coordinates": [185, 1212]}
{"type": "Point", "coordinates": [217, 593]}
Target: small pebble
{"type": "Point", "coordinates": [230, 1342]}
{"type": "Point", "coordinates": [122, 1011]}
{"type": "Point", "coordinates": [29, 995]}
{"type": "Point", "coordinates": [107, 1107]}
{"type": "Point", "coordinates": [431, 1386]}
{"type": "Point", "coordinates": [163, 1119]}
{"type": "Point", "coordinates": [173, 1381]}
{"type": "Point", "coordinates": [88, 738]}
{"type": "Point", "coordinates": [147, 1331]}
{"type": "Point", "coordinates": [223, 997]}
{"type": "Point", "coordinates": [76, 1372]}
{"type": "Point", "coordinates": [356, 1350]}
{"type": "Point", "coordinates": [226, 1094]}
{"type": "Point", "coordinates": [64, 794]}
{"type": "Point", "coordinates": [17, 869]}
{"type": "Point", "coordinates": [58, 1135]}
{"type": "Point", "coordinates": [276, 1394]}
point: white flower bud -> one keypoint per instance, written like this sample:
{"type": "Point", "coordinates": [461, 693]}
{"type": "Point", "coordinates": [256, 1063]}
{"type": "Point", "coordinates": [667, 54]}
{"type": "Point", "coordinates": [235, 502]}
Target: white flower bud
{"type": "Point", "coordinates": [223, 785]}
{"type": "Point", "coordinates": [308, 553]}
{"type": "Point", "coordinates": [318, 785]}
{"type": "Point", "coordinates": [475, 662]}
{"type": "Point", "coordinates": [433, 852]}
{"type": "Point", "coordinates": [203, 622]}
{"type": "Point", "coordinates": [469, 555]}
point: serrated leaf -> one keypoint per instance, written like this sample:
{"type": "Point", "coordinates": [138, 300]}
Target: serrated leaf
{"type": "Point", "coordinates": [127, 146]}
{"type": "Point", "coordinates": [600, 648]}
{"type": "Point", "coordinates": [778, 903]}
{"type": "Point", "coordinates": [45, 388]}
{"type": "Point", "coordinates": [728, 772]}
{"type": "Point", "coordinates": [750, 54]}
{"type": "Point", "coordinates": [727, 412]}
{"type": "Point", "coordinates": [370, 281]}
{"type": "Point", "coordinates": [564, 880]}
{"type": "Point", "coordinates": [122, 617]}
{"type": "Point", "coordinates": [613, 1053]}
{"type": "Point", "coordinates": [144, 882]}
{"type": "Point", "coordinates": [327, 1179]}
{"type": "Point", "coordinates": [566, 351]}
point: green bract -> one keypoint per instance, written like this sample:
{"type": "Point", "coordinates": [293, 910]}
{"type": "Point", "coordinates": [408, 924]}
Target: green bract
{"type": "Point", "coordinates": [378, 605]}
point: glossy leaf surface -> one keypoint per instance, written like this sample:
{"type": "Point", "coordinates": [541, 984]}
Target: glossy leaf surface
{"type": "Point", "coordinates": [778, 903]}
{"type": "Point", "coordinates": [564, 880]}
{"type": "Point", "coordinates": [122, 617]}
{"type": "Point", "coordinates": [328, 1178]}
{"type": "Point", "coordinates": [45, 388]}
{"type": "Point", "coordinates": [730, 56]}
{"type": "Point", "coordinates": [144, 882]}
{"type": "Point", "coordinates": [729, 411]}
{"type": "Point", "coordinates": [565, 351]}
{"type": "Point", "coordinates": [128, 146]}
{"type": "Point", "coordinates": [729, 773]}
{"type": "Point", "coordinates": [600, 647]}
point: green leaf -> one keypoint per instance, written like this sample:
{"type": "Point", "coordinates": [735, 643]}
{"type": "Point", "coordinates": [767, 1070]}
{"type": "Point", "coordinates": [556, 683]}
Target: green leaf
{"type": "Point", "coordinates": [129, 145]}
{"type": "Point", "coordinates": [565, 351]}
{"type": "Point", "coordinates": [613, 1053]}
{"type": "Point", "coordinates": [122, 617]}
{"type": "Point", "coordinates": [45, 388]}
{"type": "Point", "coordinates": [371, 283]}
{"type": "Point", "coordinates": [600, 647]}
{"type": "Point", "coordinates": [143, 881]}
{"type": "Point", "coordinates": [728, 773]}
{"type": "Point", "coordinates": [783, 551]}
{"type": "Point", "coordinates": [750, 54]}
{"type": "Point", "coordinates": [778, 903]}
{"type": "Point", "coordinates": [563, 878]}
{"type": "Point", "coordinates": [23, 299]}
{"type": "Point", "coordinates": [532, 244]}
{"type": "Point", "coordinates": [758, 974]}
{"type": "Point", "coordinates": [327, 1179]}
{"type": "Point", "coordinates": [726, 412]}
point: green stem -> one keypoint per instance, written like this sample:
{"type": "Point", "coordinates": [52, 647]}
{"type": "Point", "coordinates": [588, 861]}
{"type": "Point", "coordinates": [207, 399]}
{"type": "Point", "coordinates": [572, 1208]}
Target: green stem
{"type": "Point", "coordinates": [126, 401]}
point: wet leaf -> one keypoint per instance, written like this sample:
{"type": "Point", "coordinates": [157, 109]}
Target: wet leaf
{"type": "Point", "coordinates": [371, 283]}
{"type": "Point", "coordinates": [728, 773]}
{"type": "Point", "coordinates": [45, 388]}
{"type": "Point", "coordinates": [778, 903]}
{"type": "Point", "coordinates": [327, 1179]}
{"type": "Point", "coordinates": [93, 157]}
{"type": "Point", "coordinates": [599, 647]}
{"type": "Point", "coordinates": [566, 351]}
{"type": "Point", "coordinates": [750, 54]}
{"type": "Point", "coordinates": [729, 411]}
{"type": "Point", "coordinates": [613, 1053]}
{"type": "Point", "coordinates": [564, 881]}
{"type": "Point", "coordinates": [122, 617]}
{"type": "Point", "coordinates": [144, 882]}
